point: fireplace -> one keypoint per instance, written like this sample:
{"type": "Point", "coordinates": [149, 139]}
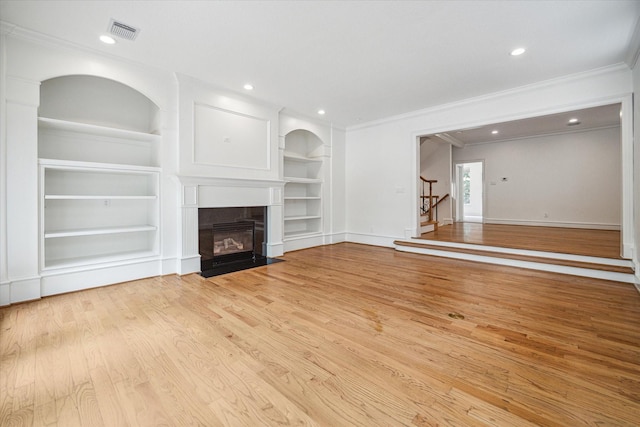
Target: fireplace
{"type": "Point", "coordinates": [231, 239]}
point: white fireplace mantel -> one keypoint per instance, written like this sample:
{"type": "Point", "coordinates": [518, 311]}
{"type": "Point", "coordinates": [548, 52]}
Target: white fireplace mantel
{"type": "Point", "coordinates": [209, 192]}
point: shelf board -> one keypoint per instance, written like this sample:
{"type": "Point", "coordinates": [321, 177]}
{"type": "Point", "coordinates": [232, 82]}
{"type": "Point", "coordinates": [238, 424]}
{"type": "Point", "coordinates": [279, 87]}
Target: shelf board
{"type": "Point", "coordinates": [301, 217]}
{"type": "Point", "coordinates": [98, 231]}
{"type": "Point", "coordinates": [95, 197]}
{"type": "Point", "coordinates": [65, 125]}
{"type": "Point", "coordinates": [302, 198]}
{"type": "Point", "coordinates": [73, 164]}
{"type": "Point", "coordinates": [294, 179]}
{"type": "Point", "coordinates": [84, 261]}
{"type": "Point", "coordinates": [294, 157]}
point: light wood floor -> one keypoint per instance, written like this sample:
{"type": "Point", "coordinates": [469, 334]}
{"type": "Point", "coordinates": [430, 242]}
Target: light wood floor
{"type": "Point", "coordinates": [342, 335]}
{"type": "Point", "coordinates": [577, 241]}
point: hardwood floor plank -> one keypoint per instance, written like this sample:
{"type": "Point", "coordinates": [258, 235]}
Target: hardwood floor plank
{"type": "Point", "coordinates": [86, 402]}
{"type": "Point", "coordinates": [111, 411]}
{"type": "Point", "coordinates": [342, 335]}
{"type": "Point", "coordinates": [578, 241]}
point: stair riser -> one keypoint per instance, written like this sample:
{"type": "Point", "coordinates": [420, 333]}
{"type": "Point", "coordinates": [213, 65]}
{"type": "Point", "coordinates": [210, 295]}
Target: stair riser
{"type": "Point", "coordinates": [574, 271]}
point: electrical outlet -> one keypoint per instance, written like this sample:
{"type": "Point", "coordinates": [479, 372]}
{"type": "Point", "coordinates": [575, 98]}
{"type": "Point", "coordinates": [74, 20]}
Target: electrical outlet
{"type": "Point", "coordinates": [546, 215]}
{"type": "Point", "coordinates": [107, 203]}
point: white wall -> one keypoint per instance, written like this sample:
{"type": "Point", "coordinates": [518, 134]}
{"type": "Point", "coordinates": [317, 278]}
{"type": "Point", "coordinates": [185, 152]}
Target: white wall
{"type": "Point", "coordinates": [381, 191]}
{"type": "Point", "coordinates": [569, 180]}
{"type": "Point", "coordinates": [337, 230]}
{"type": "Point", "coordinates": [382, 157]}
{"type": "Point", "coordinates": [636, 167]}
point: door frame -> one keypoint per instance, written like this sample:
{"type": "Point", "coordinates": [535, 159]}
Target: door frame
{"type": "Point", "coordinates": [457, 180]}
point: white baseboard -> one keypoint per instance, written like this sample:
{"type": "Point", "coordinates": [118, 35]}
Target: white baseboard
{"type": "Point", "coordinates": [63, 282]}
{"type": "Point", "coordinates": [5, 293]}
{"type": "Point", "coordinates": [20, 290]}
{"type": "Point", "coordinates": [275, 249]}
{"type": "Point", "coordinates": [588, 225]}
{"type": "Point", "coordinates": [189, 264]}
{"type": "Point", "coordinates": [332, 238]}
{"type": "Point", "coordinates": [372, 239]}
{"type": "Point", "coordinates": [169, 266]}
{"type": "Point", "coordinates": [303, 242]}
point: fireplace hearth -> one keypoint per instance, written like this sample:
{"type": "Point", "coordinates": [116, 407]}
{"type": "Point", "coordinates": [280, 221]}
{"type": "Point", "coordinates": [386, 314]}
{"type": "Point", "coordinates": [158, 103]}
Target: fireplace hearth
{"type": "Point", "coordinates": [231, 239]}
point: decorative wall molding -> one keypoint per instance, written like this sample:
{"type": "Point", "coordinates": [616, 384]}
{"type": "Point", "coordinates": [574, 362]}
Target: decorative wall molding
{"type": "Point", "coordinates": [230, 139]}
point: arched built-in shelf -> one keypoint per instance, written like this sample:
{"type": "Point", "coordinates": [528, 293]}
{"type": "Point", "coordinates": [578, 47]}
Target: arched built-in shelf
{"type": "Point", "coordinates": [99, 174]}
{"type": "Point", "coordinates": [303, 163]}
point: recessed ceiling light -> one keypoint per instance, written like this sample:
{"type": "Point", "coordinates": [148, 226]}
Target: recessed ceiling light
{"type": "Point", "coordinates": [494, 132]}
{"type": "Point", "coordinates": [248, 86]}
{"type": "Point", "coordinates": [107, 40]}
{"type": "Point", "coordinates": [573, 120]}
{"type": "Point", "coordinates": [518, 51]}
{"type": "Point", "coordinates": [321, 112]}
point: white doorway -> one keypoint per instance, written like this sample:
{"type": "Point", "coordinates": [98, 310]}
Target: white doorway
{"type": "Point", "coordinates": [470, 191]}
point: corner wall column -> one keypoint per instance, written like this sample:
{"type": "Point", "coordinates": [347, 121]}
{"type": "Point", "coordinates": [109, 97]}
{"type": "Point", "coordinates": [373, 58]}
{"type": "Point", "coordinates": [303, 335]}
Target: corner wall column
{"type": "Point", "coordinates": [23, 254]}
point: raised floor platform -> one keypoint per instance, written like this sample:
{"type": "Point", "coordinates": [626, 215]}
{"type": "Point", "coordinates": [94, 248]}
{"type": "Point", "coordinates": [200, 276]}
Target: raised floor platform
{"type": "Point", "coordinates": [580, 252]}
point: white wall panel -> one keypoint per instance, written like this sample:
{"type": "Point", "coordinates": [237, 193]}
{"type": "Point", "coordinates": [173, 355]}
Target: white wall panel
{"type": "Point", "coordinates": [228, 138]}
{"type": "Point", "coordinates": [224, 135]}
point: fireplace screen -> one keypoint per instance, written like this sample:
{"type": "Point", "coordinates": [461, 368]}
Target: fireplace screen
{"type": "Point", "coordinates": [227, 242]}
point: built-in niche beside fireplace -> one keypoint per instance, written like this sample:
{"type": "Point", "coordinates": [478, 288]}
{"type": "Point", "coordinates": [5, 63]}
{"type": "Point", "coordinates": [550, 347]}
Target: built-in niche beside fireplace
{"type": "Point", "coordinates": [231, 239]}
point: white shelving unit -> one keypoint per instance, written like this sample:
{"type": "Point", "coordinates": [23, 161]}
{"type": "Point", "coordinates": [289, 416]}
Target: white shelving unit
{"type": "Point", "coordinates": [92, 214]}
{"type": "Point", "coordinates": [303, 168]}
{"type": "Point", "coordinates": [99, 184]}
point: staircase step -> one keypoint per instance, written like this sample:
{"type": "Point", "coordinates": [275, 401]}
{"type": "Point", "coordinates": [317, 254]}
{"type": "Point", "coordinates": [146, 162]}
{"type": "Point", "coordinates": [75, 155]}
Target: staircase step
{"type": "Point", "coordinates": [602, 268]}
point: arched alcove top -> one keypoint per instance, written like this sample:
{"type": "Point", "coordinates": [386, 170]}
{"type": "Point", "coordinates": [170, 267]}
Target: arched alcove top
{"type": "Point", "coordinates": [99, 101]}
{"type": "Point", "coordinates": [304, 143]}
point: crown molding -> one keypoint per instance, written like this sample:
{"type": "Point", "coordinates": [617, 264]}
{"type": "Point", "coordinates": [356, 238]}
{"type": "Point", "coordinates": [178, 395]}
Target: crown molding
{"type": "Point", "coordinates": [20, 33]}
{"type": "Point", "coordinates": [6, 28]}
{"type": "Point", "coordinates": [497, 95]}
{"type": "Point", "coordinates": [633, 49]}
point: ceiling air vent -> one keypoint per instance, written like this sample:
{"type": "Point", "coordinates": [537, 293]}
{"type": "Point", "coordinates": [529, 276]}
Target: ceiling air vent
{"type": "Point", "coordinates": [123, 31]}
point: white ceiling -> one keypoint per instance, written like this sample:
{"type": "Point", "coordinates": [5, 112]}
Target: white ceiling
{"type": "Point", "coordinates": [358, 60]}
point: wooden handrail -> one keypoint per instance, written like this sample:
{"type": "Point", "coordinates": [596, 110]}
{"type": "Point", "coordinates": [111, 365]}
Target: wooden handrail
{"type": "Point", "coordinates": [429, 211]}
{"type": "Point", "coordinates": [428, 180]}
{"type": "Point", "coordinates": [441, 200]}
